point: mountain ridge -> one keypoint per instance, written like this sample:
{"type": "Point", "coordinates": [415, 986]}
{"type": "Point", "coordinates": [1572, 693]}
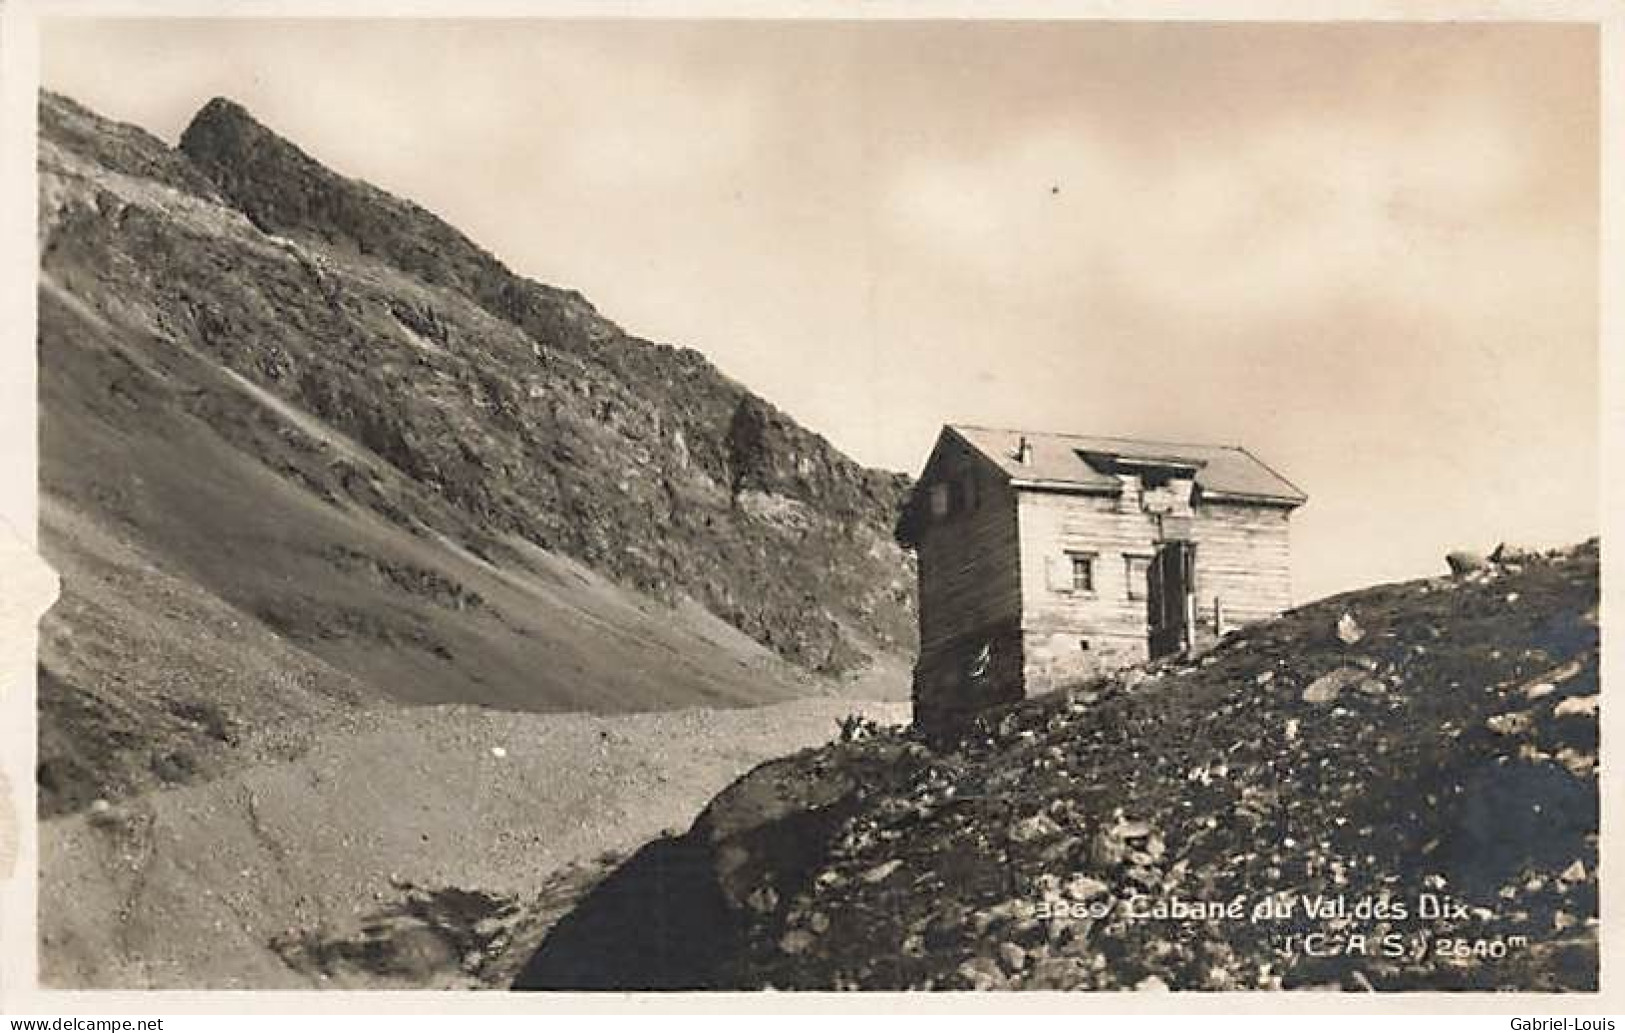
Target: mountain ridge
{"type": "Point", "coordinates": [330, 412]}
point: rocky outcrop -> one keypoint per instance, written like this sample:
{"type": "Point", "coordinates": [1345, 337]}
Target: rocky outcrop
{"type": "Point", "coordinates": [306, 448]}
{"type": "Point", "coordinates": [1428, 786]}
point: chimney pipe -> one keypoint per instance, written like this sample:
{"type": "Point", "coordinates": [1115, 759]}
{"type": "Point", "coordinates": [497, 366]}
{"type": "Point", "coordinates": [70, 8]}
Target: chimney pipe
{"type": "Point", "coordinates": [1024, 451]}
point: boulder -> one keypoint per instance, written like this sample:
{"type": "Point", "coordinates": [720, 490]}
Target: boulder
{"type": "Point", "coordinates": [1328, 686]}
{"type": "Point", "coordinates": [1463, 562]}
{"type": "Point", "coordinates": [1349, 630]}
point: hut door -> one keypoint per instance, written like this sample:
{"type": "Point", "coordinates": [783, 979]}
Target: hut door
{"type": "Point", "coordinates": [1168, 598]}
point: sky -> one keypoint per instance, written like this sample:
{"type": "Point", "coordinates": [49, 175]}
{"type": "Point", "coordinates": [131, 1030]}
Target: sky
{"type": "Point", "coordinates": [1368, 253]}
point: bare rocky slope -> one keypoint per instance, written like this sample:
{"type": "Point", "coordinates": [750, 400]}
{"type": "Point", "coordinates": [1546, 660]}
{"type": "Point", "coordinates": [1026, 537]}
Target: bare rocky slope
{"type": "Point", "coordinates": [406, 847]}
{"type": "Point", "coordinates": [1424, 753]}
{"type": "Point", "coordinates": [306, 449]}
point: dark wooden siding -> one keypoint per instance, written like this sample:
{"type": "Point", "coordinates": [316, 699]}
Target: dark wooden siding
{"type": "Point", "coordinates": [970, 590]}
{"type": "Point", "coordinates": [968, 567]}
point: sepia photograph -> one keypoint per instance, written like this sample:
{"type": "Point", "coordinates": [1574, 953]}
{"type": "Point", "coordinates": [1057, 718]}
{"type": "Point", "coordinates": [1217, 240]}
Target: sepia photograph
{"type": "Point", "coordinates": [818, 504]}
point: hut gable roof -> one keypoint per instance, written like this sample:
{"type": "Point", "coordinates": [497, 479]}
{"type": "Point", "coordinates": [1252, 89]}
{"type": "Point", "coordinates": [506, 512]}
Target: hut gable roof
{"type": "Point", "coordinates": [1082, 463]}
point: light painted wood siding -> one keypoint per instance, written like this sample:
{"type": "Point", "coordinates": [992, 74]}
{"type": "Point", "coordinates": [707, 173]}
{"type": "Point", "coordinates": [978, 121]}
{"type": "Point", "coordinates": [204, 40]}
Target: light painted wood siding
{"type": "Point", "coordinates": [1054, 524]}
{"type": "Point", "coordinates": [1244, 560]}
{"type": "Point", "coordinates": [1057, 620]}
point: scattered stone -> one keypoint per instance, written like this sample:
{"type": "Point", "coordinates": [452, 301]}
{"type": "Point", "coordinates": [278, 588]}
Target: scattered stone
{"type": "Point", "coordinates": [1579, 764]}
{"type": "Point", "coordinates": [1151, 984]}
{"type": "Point", "coordinates": [796, 941]}
{"type": "Point", "coordinates": [1013, 956]}
{"type": "Point", "coordinates": [1509, 724]}
{"type": "Point", "coordinates": [981, 973]}
{"type": "Point", "coordinates": [1582, 706]}
{"type": "Point", "coordinates": [1082, 888]}
{"type": "Point", "coordinates": [1563, 672]}
{"type": "Point", "coordinates": [1539, 689]}
{"type": "Point", "coordinates": [1575, 872]}
{"type": "Point", "coordinates": [1126, 830]}
{"type": "Point", "coordinates": [1035, 827]}
{"type": "Point", "coordinates": [1144, 876]}
{"type": "Point", "coordinates": [880, 871]}
{"type": "Point", "coordinates": [1326, 688]}
{"type": "Point", "coordinates": [1349, 630]}
{"type": "Point", "coordinates": [1062, 973]}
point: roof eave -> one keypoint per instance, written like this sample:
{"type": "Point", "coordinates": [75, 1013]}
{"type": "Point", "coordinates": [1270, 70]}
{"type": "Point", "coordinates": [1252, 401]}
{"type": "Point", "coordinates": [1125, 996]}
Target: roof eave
{"type": "Point", "coordinates": [1068, 487]}
{"type": "Point", "coordinates": [1285, 501]}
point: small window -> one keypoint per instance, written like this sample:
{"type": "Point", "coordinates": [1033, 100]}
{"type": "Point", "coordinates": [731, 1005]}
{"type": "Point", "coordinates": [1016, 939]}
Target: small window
{"type": "Point", "coordinates": [967, 493]}
{"type": "Point", "coordinates": [1083, 573]}
{"type": "Point", "coordinates": [939, 501]}
{"type": "Point", "coordinates": [1138, 569]}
